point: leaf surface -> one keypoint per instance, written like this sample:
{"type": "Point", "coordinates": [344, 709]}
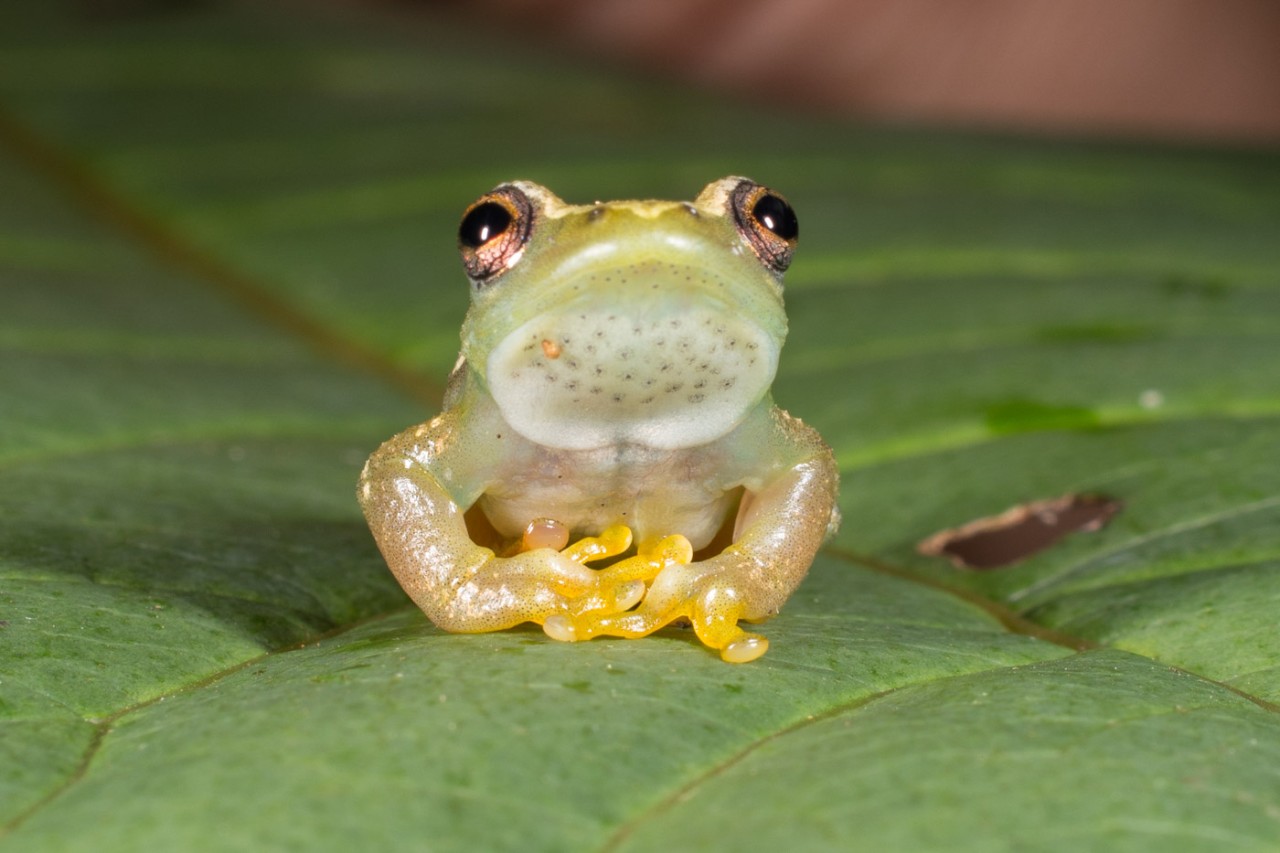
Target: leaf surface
{"type": "Point", "coordinates": [227, 273]}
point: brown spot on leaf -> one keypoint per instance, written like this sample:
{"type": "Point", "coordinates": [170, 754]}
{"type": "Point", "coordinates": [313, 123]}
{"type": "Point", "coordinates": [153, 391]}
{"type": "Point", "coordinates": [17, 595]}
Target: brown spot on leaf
{"type": "Point", "coordinates": [1019, 532]}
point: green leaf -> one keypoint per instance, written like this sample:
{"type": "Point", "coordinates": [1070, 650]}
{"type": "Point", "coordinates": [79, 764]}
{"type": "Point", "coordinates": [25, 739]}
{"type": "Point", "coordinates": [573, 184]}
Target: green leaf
{"type": "Point", "coordinates": [227, 273]}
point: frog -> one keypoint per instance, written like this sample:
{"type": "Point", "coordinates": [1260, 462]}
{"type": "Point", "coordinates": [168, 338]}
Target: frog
{"type": "Point", "coordinates": [609, 460]}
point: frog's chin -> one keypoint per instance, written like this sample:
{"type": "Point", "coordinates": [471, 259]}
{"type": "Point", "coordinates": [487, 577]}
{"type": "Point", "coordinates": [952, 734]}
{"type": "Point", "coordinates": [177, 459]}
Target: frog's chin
{"type": "Point", "coordinates": [592, 379]}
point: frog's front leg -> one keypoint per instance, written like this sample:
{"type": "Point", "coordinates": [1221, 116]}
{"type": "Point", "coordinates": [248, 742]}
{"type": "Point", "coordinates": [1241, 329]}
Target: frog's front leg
{"type": "Point", "coordinates": [778, 532]}
{"type": "Point", "coordinates": [463, 587]}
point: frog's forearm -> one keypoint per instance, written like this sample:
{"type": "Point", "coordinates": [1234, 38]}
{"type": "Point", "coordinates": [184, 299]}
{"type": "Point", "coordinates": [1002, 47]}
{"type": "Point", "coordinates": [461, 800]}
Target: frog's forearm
{"type": "Point", "coordinates": [420, 530]}
{"type": "Point", "coordinates": [779, 531]}
{"type": "Point", "coordinates": [461, 586]}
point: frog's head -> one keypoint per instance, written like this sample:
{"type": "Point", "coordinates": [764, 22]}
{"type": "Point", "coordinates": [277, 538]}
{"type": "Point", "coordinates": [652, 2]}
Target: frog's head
{"type": "Point", "coordinates": [649, 322]}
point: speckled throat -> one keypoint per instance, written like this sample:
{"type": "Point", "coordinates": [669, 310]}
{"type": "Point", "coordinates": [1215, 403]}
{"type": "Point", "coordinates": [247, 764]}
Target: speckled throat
{"type": "Point", "coordinates": [663, 368]}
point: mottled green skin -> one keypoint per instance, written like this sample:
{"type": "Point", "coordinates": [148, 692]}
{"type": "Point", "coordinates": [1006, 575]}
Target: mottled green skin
{"type": "Point", "coordinates": [617, 373]}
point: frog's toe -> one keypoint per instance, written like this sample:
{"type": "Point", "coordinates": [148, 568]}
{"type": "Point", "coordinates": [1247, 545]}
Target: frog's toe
{"type": "Point", "coordinates": [560, 627]}
{"type": "Point", "coordinates": [544, 533]}
{"type": "Point", "coordinates": [650, 561]}
{"type": "Point", "coordinates": [716, 628]}
{"type": "Point", "coordinates": [715, 608]}
{"type": "Point", "coordinates": [745, 649]}
{"type": "Point", "coordinates": [611, 542]}
{"type": "Point", "coordinates": [628, 595]}
{"type": "Point", "coordinates": [607, 598]}
{"type": "Point", "coordinates": [578, 620]}
{"type": "Point", "coordinates": [712, 605]}
{"type": "Point", "coordinates": [575, 624]}
{"type": "Point", "coordinates": [629, 625]}
{"type": "Point", "coordinates": [605, 623]}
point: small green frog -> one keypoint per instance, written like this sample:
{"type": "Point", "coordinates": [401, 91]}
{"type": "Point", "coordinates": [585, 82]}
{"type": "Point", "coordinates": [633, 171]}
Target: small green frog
{"type": "Point", "coordinates": [612, 390]}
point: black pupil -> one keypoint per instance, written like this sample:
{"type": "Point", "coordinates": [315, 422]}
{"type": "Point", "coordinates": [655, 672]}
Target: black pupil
{"type": "Point", "coordinates": [483, 223]}
{"type": "Point", "coordinates": [776, 215]}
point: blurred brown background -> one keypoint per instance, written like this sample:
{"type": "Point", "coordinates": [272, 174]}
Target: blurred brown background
{"type": "Point", "coordinates": [1200, 69]}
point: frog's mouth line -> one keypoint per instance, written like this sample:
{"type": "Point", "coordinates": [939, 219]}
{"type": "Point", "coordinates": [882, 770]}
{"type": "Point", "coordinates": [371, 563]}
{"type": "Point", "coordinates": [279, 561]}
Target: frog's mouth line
{"type": "Point", "coordinates": [668, 379]}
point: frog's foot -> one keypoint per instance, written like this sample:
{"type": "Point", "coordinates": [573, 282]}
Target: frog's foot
{"type": "Point", "coordinates": [716, 629]}
{"type": "Point", "coordinates": [538, 577]}
{"type": "Point", "coordinates": [674, 550]}
{"type": "Point", "coordinates": [611, 591]}
{"type": "Point", "coordinates": [622, 585]}
{"type": "Point", "coordinates": [679, 591]}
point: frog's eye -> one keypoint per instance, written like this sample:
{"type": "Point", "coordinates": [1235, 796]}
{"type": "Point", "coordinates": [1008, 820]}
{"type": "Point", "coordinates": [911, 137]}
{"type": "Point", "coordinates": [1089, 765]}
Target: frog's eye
{"type": "Point", "coordinates": [768, 223]}
{"type": "Point", "coordinates": [493, 233]}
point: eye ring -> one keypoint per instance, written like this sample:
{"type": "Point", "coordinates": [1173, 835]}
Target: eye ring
{"type": "Point", "coordinates": [493, 233]}
{"type": "Point", "coordinates": [768, 223]}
